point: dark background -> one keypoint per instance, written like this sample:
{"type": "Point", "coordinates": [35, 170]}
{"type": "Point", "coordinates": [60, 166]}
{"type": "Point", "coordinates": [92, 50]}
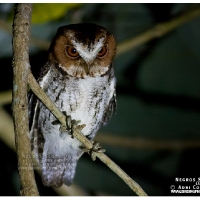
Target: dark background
{"type": "Point", "coordinates": [158, 96]}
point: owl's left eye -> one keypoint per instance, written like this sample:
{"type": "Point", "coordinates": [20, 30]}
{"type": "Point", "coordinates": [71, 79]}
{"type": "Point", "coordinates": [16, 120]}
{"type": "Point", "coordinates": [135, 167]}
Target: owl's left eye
{"type": "Point", "coordinates": [71, 51]}
{"type": "Point", "coordinates": [102, 52]}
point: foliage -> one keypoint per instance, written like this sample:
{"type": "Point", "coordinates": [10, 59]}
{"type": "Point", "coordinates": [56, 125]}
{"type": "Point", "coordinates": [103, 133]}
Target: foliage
{"type": "Point", "coordinates": [46, 12]}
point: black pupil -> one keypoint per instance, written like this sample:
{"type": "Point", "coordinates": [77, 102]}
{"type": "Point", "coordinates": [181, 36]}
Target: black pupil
{"type": "Point", "coordinates": [73, 51]}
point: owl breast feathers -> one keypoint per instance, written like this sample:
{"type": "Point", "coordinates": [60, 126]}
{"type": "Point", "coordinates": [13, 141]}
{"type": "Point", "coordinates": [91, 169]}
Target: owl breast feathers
{"type": "Point", "coordinates": [79, 78]}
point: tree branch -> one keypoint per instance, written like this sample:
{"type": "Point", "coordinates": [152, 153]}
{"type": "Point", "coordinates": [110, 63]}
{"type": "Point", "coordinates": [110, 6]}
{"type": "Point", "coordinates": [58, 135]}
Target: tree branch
{"type": "Point", "coordinates": [146, 143]}
{"type": "Point", "coordinates": [158, 31]}
{"type": "Point", "coordinates": [20, 63]}
{"type": "Point", "coordinates": [77, 133]}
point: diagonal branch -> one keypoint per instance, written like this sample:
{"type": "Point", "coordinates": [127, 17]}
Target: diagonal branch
{"type": "Point", "coordinates": [147, 143]}
{"type": "Point", "coordinates": [158, 31]}
{"type": "Point", "coordinates": [77, 133]}
{"type": "Point", "coordinates": [20, 63]}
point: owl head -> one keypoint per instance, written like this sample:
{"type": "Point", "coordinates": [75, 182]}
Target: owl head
{"type": "Point", "coordinates": [83, 50]}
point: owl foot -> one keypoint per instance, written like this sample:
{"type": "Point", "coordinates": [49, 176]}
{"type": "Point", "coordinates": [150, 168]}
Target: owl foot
{"type": "Point", "coordinates": [71, 126]}
{"type": "Point", "coordinates": [96, 148]}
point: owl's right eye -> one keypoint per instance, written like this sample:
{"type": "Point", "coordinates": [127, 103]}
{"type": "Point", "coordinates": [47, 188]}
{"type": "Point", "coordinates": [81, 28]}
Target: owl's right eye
{"type": "Point", "coordinates": [72, 52]}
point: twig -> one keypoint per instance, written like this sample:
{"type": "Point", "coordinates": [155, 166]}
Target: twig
{"type": "Point", "coordinates": [144, 143]}
{"type": "Point", "coordinates": [127, 179]}
{"type": "Point", "coordinates": [21, 32]}
{"type": "Point", "coordinates": [88, 144]}
{"type": "Point", "coordinates": [157, 31]}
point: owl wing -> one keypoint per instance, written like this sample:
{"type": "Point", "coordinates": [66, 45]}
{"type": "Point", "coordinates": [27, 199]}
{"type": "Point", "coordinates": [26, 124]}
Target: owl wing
{"type": "Point", "coordinates": [51, 176]}
{"type": "Point", "coordinates": [32, 98]}
{"type": "Point", "coordinates": [36, 137]}
{"type": "Point", "coordinates": [110, 109]}
{"type": "Point", "coordinates": [32, 101]}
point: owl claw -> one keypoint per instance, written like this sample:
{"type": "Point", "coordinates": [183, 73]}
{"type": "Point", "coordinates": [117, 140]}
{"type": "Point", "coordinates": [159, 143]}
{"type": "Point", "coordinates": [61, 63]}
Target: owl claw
{"type": "Point", "coordinates": [96, 148]}
{"type": "Point", "coordinates": [71, 126]}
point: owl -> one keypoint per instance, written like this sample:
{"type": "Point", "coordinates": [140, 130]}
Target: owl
{"type": "Point", "coordinates": [79, 78]}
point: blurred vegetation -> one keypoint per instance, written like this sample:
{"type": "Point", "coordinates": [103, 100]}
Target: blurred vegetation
{"type": "Point", "coordinates": [43, 13]}
{"type": "Point", "coordinates": [155, 135]}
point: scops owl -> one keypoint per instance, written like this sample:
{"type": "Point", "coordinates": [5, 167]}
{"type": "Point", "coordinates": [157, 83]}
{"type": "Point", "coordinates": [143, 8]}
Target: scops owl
{"type": "Point", "coordinates": [79, 78]}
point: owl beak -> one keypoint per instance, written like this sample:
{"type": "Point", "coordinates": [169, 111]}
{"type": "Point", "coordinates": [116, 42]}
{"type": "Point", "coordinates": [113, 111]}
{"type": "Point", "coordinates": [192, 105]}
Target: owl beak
{"type": "Point", "coordinates": [89, 62]}
{"type": "Point", "coordinates": [87, 66]}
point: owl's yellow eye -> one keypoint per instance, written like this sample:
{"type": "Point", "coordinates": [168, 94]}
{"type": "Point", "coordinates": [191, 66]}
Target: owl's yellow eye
{"type": "Point", "coordinates": [71, 51]}
{"type": "Point", "coordinates": [102, 52]}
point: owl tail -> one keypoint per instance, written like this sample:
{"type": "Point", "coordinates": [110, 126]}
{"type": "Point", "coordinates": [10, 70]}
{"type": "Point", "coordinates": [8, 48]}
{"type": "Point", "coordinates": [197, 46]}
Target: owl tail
{"type": "Point", "coordinates": [57, 170]}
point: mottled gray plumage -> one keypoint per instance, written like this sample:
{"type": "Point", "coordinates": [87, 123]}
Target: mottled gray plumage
{"type": "Point", "coordinates": [83, 86]}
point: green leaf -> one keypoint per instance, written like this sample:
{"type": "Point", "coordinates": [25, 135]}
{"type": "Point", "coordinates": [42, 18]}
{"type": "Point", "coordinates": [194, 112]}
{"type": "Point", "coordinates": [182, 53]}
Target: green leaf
{"type": "Point", "coordinates": [44, 12]}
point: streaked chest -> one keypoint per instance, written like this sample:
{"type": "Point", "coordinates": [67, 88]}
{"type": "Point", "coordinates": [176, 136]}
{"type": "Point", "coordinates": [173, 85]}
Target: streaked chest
{"type": "Point", "coordinates": [84, 99]}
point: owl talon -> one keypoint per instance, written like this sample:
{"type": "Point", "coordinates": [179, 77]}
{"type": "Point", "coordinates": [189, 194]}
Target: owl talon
{"type": "Point", "coordinates": [96, 148]}
{"type": "Point", "coordinates": [71, 126]}
{"type": "Point", "coordinates": [80, 127]}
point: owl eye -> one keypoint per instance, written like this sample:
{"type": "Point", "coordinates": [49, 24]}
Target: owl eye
{"type": "Point", "coordinates": [71, 51]}
{"type": "Point", "coordinates": [102, 52]}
